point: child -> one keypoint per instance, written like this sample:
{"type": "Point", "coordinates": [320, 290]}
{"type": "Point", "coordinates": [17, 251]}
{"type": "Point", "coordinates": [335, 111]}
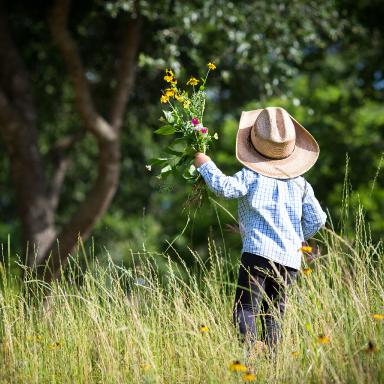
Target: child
{"type": "Point", "coordinates": [277, 211]}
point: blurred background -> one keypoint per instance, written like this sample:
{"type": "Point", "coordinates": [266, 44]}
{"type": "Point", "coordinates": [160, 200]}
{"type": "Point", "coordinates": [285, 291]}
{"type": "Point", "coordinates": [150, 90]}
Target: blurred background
{"type": "Point", "coordinates": [80, 85]}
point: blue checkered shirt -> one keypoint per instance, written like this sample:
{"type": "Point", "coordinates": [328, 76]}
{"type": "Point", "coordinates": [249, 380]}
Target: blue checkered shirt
{"type": "Point", "coordinates": [275, 215]}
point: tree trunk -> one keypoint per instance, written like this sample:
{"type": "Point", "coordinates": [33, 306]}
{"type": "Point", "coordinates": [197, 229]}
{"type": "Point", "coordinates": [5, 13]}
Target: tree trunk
{"type": "Point", "coordinates": [37, 201]}
{"type": "Point", "coordinates": [106, 133]}
{"type": "Point", "coordinates": [35, 213]}
{"type": "Point", "coordinates": [18, 129]}
{"type": "Point", "coordinates": [90, 211]}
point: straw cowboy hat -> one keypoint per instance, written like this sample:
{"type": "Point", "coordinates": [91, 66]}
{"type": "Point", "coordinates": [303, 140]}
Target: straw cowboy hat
{"type": "Point", "coordinates": [271, 142]}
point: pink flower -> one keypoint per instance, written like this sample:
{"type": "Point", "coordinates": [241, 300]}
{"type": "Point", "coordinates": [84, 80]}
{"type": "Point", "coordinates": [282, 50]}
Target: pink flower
{"type": "Point", "coordinates": [195, 121]}
{"type": "Point", "coordinates": [204, 130]}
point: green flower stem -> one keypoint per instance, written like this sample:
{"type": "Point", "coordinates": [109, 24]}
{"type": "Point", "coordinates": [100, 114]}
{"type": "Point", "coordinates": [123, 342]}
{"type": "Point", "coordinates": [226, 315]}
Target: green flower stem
{"type": "Point", "coordinates": [202, 111]}
{"type": "Point", "coordinates": [173, 109]}
{"type": "Point", "coordinates": [206, 76]}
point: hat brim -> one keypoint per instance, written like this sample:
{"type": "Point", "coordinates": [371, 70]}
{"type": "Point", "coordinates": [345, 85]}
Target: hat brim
{"type": "Point", "coordinates": [302, 158]}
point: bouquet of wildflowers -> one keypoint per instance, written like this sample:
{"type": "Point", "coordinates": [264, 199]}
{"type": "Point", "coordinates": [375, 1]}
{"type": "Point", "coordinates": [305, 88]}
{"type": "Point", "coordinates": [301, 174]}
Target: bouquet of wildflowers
{"type": "Point", "coordinates": [183, 119]}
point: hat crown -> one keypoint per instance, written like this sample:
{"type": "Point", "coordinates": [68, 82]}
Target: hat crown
{"type": "Point", "coordinates": [273, 133]}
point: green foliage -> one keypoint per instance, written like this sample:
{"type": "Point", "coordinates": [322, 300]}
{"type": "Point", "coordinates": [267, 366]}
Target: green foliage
{"type": "Point", "coordinates": [240, 36]}
{"type": "Point", "coordinates": [125, 233]}
{"type": "Point", "coordinates": [322, 62]}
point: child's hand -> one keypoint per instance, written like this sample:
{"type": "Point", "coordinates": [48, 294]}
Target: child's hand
{"type": "Point", "coordinates": [200, 159]}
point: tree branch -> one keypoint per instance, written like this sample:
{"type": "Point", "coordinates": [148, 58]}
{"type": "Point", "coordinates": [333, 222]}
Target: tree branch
{"type": "Point", "coordinates": [92, 120]}
{"type": "Point", "coordinates": [126, 73]}
{"type": "Point", "coordinates": [59, 157]}
{"type": "Point", "coordinates": [64, 144]}
{"type": "Point", "coordinates": [57, 182]}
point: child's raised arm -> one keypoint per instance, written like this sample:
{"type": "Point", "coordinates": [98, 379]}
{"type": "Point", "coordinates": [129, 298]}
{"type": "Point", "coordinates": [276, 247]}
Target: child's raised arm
{"type": "Point", "coordinates": [229, 187]}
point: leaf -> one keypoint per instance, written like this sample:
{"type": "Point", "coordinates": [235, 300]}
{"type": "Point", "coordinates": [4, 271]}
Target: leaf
{"type": "Point", "coordinates": [190, 152]}
{"type": "Point", "coordinates": [190, 172]}
{"type": "Point", "coordinates": [180, 140]}
{"type": "Point", "coordinates": [169, 116]}
{"type": "Point", "coordinates": [182, 161]}
{"type": "Point", "coordinates": [158, 161]}
{"type": "Point", "coordinates": [166, 130]}
{"type": "Point", "coordinates": [166, 169]}
{"type": "Point", "coordinates": [171, 151]}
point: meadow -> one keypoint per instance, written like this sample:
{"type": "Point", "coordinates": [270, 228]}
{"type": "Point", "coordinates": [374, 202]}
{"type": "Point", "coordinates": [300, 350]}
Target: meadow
{"type": "Point", "coordinates": [112, 324]}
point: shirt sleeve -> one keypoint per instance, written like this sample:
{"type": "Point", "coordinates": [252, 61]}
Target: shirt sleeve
{"type": "Point", "coordinates": [229, 187]}
{"type": "Point", "coordinates": [313, 217]}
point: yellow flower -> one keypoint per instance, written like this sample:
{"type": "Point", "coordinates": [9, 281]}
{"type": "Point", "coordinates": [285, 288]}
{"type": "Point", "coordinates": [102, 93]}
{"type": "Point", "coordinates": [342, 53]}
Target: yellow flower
{"type": "Point", "coordinates": [203, 328]}
{"type": "Point", "coordinates": [186, 103]}
{"type": "Point", "coordinates": [378, 316]}
{"type": "Point", "coordinates": [249, 376]}
{"type": "Point", "coordinates": [192, 81]}
{"type": "Point", "coordinates": [294, 353]}
{"type": "Point", "coordinates": [307, 271]}
{"type": "Point", "coordinates": [164, 99]}
{"type": "Point", "coordinates": [322, 339]}
{"type": "Point", "coordinates": [169, 77]}
{"type": "Point", "coordinates": [371, 348]}
{"type": "Point", "coordinates": [54, 345]}
{"type": "Point", "coordinates": [179, 97]}
{"type": "Point", "coordinates": [211, 66]}
{"type": "Point", "coordinates": [169, 92]}
{"type": "Point", "coordinates": [236, 366]}
{"type": "Point", "coordinates": [36, 338]}
{"type": "Point", "coordinates": [169, 72]}
{"type": "Point", "coordinates": [145, 367]}
{"type": "Point", "coordinates": [305, 249]}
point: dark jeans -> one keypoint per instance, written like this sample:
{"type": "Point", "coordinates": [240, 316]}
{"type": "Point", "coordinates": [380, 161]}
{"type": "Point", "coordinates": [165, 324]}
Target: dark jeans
{"type": "Point", "coordinates": [259, 293]}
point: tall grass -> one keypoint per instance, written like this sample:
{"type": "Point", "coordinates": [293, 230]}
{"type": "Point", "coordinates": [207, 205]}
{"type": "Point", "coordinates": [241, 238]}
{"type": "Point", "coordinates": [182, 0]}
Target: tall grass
{"type": "Point", "coordinates": [117, 325]}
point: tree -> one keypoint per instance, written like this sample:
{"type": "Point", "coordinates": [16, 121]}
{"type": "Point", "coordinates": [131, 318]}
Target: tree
{"type": "Point", "coordinates": [240, 36]}
{"type": "Point", "coordinates": [38, 199]}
